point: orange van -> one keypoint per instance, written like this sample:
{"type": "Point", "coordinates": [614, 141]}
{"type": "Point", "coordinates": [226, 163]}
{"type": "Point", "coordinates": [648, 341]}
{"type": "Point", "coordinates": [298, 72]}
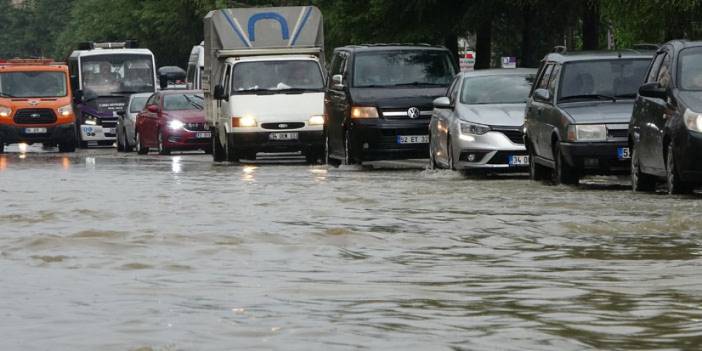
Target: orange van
{"type": "Point", "coordinates": [36, 104]}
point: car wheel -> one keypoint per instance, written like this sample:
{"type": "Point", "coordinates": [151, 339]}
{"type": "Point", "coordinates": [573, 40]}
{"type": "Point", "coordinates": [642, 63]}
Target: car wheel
{"type": "Point", "coordinates": [537, 172]}
{"type": "Point", "coordinates": [218, 153]}
{"type": "Point", "coordinates": [675, 185]}
{"type": "Point", "coordinates": [232, 153]}
{"type": "Point", "coordinates": [162, 149]}
{"type": "Point", "coordinates": [449, 147]}
{"type": "Point", "coordinates": [120, 144]}
{"type": "Point", "coordinates": [432, 158]}
{"type": "Point", "coordinates": [639, 180]}
{"type": "Point", "coordinates": [349, 158]}
{"type": "Point", "coordinates": [563, 173]}
{"type": "Point", "coordinates": [67, 146]}
{"type": "Point", "coordinates": [140, 148]}
{"type": "Point", "coordinates": [327, 154]}
{"type": "Point", "coordinates": [127, 146]}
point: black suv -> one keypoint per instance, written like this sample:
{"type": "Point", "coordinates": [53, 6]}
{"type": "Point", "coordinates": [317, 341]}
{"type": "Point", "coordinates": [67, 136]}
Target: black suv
{"type": "Point", "coordinates": [378, 102]}
{"type": "Point", "coordinates": [578, 114]}
{"type": "Point", "coordinates": [665, 134]}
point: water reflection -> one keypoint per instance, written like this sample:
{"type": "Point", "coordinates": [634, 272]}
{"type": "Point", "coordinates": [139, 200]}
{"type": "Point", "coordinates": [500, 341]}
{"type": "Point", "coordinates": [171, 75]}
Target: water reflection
{"type": "Point", "coordinates": [249, 173]}
{"type": "Point", "coordinates": [176, 165]}
{"type": "Point", "coordinates": [319, 173]}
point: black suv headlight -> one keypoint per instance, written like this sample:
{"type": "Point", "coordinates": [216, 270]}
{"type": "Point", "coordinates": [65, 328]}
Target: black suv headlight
{"type": "Point", "coordinates": [693, 121]}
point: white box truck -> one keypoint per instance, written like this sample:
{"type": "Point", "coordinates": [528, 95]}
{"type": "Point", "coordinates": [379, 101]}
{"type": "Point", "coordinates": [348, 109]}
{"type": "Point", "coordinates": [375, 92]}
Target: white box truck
{"type": "Point", "coordinates": [264, 81]}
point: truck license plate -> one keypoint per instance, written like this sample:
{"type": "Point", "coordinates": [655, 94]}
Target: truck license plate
{"type": "Point", "coordinates": [283, 136]}
{"type": "Point", "coordinates": [35, 130]}
{"type": "Point", "coordinates": [413, 139]}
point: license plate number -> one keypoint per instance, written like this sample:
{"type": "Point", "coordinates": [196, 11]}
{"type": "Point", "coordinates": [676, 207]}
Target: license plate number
{"type": "Point", "coordinates": [412, 139]}
{"type": "Point", "coordinates": [623, 153]}
{"type": "Point", "coordinates": [283, 136]}
{"type": "Point", "coordinates": [35, 130]}
{"type": "Point", "coordinates": [204, 135]}
{"type": "Point", "coordinates": [519, 160]}
{"type": "Point", "coordinates": [109, 130]}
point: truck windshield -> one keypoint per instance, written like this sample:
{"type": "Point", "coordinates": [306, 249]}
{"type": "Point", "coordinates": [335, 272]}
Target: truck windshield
{"type": "Point", "coordinates": [274, 76]}
{"type": "Point", "coordinates": [506, 89]}
{"type": "Point", "coordinates": [32, 84]}
{"type": "Point", "coordinates": [117, 74]}
{"type": "Point", "coordinates": [602, 79]}
{"type": "Point", "coordinates": [690, 69]}
{"type": "Point", "coordinates": [402, 68]}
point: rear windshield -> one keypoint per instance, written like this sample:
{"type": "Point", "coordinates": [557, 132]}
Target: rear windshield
{"type": "Point", "coordinates": [138, 104]}
{"type": "Point", "coordinates": [180, 102]}
{"type": "Point", "coordinates": [402, 68]}
{"type": "Point", "coordinates": [602, 79]}
{"type": "Point", "coordinates": [507, 89]}
{"type": "Point", "coordinates": [32, 84]}
{"type": "Point", "coordinates": [690, 69]}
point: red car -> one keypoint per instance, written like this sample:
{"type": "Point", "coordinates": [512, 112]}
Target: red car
{"type": "Point", "coordinates": [173, 120]}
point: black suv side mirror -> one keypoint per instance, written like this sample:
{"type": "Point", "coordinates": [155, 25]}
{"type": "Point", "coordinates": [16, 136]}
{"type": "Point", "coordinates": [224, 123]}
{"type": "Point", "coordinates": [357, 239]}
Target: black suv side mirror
{"type": "Point", "coordinates": [653, 90]}
{"type": "Point", "coordinates": [542, 95]}
{"type": "Point", "coordinates": [219, 92]}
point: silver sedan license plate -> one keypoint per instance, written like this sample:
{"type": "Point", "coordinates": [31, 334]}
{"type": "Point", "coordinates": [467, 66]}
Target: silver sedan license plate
{"type": "Point", "coordinates": [519, 160]}
{"type": "Point", "coordinates": [413, 139]}
{"type": "Point", "coordinates": [283, 136]}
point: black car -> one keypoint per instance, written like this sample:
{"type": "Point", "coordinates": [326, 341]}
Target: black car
{"type": "Point", "coordinates": [578, 114]}
{"type": "Point", "coordinates": [378, 102]}
{"type": "Point", "coordinates": [665, 134]}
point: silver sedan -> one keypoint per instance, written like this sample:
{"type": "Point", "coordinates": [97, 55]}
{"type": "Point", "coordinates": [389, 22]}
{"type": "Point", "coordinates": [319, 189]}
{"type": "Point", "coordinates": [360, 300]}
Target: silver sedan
{"type": "Point", "coordinates": [477, 127]}
{"type": "Point", "coordinates": [126, 123]}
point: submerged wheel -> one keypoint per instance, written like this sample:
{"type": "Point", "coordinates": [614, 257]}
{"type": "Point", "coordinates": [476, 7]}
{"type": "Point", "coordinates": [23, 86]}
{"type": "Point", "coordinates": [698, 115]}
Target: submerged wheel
{"type": "Point", "coordinates": [676, 186]}
{"type": "Point", "coordinates": [232, 153]}
{"type": "Point", "coordinates": [639, 180]}
{"type": "Point", "coordinates": [349, 158]}
{"type": "Point", "coordinates": [218, 153]}
{"type": "Point", "coordinates": [162, 149]}
{"type": "Point", "coordinates": [140, 148]}
{"type": "Point", "coordinates": [449, 154]}
{"type": "Point", "coordinates": [537, 172]}
{"type": "Point", "coordinates": [563, 173]}
{"type": "Point", "coordinates": [327, 154]}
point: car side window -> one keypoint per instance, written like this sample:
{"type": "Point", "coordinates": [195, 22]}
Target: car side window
{"type": "Point", "coordinates": [655, 68]}
{"type": "Point", "coordinates": [664, 75]}
{"type": "Point", "coordinates": [452, 92]}
{"type": "Point", "coordinates": [553, 81]}
{"type": "Point", "coordinates": [545, 78]}
{"type": "Point", "coordinates": [227, 80]}
{"type": "Point", "coordinates": [337, 66]}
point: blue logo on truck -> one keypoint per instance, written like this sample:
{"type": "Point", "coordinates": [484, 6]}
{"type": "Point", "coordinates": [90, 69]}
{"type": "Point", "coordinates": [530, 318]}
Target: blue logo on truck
{"type": "Point", "coordinates": [271, 16]}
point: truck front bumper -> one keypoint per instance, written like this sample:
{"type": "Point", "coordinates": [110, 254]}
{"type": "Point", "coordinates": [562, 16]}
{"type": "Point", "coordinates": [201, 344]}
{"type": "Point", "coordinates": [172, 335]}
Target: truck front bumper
{"type": "Point", "coordinates": [10, 134]}
{"type": "Point", "coordinates": [306, 141]}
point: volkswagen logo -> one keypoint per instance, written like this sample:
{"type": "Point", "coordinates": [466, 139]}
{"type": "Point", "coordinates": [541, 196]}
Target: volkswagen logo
{"type": "Point", "coordinates": [35, 115]}
{"type": "Point", "coordinates": [413, 113]}
{"type": "Point", "coordinates": [282, 126]}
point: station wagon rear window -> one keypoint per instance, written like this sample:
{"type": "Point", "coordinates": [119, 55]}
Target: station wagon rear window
{"type": "Point", "coordinates": [402, 68]}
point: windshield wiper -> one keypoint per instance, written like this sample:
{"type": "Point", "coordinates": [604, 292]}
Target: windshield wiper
{"type": "Point", "coordinates": [6, 95]}
{"type": "Point", "coordinates": [192, 102]}
{"type": "Point", "coordinates": [625, 96]}
{"type": "Point", "coordinates": [255, 91]}
{"type": "Point", "coordinates": [589, 97]}
{"type": "Point", "coordinates": [418, 84]}
{"type": "Point", "coordinates": [296, 90]}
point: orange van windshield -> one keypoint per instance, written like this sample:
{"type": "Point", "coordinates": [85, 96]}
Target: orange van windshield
{"type": "Point", "coordinates": [33, 84]}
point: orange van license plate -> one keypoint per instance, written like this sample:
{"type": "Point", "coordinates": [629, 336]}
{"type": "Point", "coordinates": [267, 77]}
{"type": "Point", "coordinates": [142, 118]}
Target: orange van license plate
{"type": "Point", "coordinates": [35, 130]}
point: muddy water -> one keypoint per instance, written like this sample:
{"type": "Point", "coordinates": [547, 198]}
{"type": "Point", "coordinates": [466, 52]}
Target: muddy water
{"type": "Point", "coordinates": [100, 251]}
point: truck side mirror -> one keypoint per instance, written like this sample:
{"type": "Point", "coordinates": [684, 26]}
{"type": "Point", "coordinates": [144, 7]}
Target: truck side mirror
{"type": "Point", "coordinates": [542, 95]}
{"type": "Point", "coordinates": [653, 90]}
{"type": "Point", "coordinates": [219, 92]}
{"type": "Point", "coordinates": [78, 95]}
{"type": "Point", "coordinates": [338, 82]}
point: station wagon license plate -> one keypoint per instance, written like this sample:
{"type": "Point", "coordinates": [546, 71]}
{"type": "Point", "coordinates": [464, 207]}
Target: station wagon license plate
{"type": "Point", "coordinates": [283, 136]}
{"type": "Point", "coordinates": [35, 130]}
{"type": "Point", "coordinates": [519, 160]}
{"type": "Point", "coordinates": [413, 139]}
{"type": "Point", "coordinates": [623, 153]}
{"type": "Point", "coordinates": [204, 135]}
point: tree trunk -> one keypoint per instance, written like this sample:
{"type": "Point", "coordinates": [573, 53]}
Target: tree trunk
{"type": "Point", "coordinates": [528, 55]}
{"type": "Point", "coordinates": [451, 43]}
{"type": "Point", "coordinates": [483, 45]}
{"type": "Point", "coordinates": [591, 25]}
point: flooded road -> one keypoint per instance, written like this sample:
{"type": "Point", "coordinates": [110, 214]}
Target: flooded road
{"type": "Point", "coordinates": [101, 251]}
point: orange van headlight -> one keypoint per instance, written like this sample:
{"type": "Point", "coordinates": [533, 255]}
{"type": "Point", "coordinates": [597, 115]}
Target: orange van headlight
{"type": "Point", "coordinates": [5, 111]}
{"type": "Point", "coordinates": [65, 111]}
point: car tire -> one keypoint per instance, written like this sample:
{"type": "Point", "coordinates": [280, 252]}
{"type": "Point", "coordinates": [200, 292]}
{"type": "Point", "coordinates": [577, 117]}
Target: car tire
{"type": "Point", "coordinates": [639, 180]}
{"type": "Point", "coordinates": [232, 154]}
{"type": "Point", "coordinates": [675, 185]}
{"type": "Point", "coordinates": [449, 151]}
{"type": "Point", "coordinates": [328, 159]}
{"type": "Point", "coordinates": [537, 172]}
{"type": "Point", "coordinates": [127, 146]}
{"type": "Point", "coordinates": [162, 149]}
{"type": "Point", "coordinates": [218, 152]}
{"type": "Point", "coordinates": [140, 148]}
{"type": "Point", "coordinates": [432, 158]}
{"type": "Point", "coordinates": [120, 145]}
{"type": "Point", "coordinates": [563, 173]}
{"type": "Point", "coordinates": [67, 146]}
{"type": "Point", "coordinates": [349, 158]}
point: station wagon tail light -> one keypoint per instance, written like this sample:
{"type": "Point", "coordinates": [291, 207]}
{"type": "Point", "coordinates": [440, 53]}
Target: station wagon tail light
{"type": "Point", "coordinates": [244, 122]}
{"type": "Point", "coordinates": [474, 128]}
{"type": "Point", "coordinates": [359, 112]}
{"type": "Point", "coordinates": [5, 111]}
{"type": "Point", "coordinates": [693, 121]}
{"type": "Point", "coordinates": [587, 132]}
{"type": "Point", "coordinates": [316, 120]}
{"type": "Point", "coordinates": [65, 111]}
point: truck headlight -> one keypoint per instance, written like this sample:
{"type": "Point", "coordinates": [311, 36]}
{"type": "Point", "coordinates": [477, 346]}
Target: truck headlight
{"type": "Point", "coordinates": [176, 125]}
{"type": "Point", "coordinates": [244, 122]}
{"type": "Point", "coordinates": [359, 112]}
{"type": "Point", "coordinates": [5, 111]}
{"type": "Point", "coordinates": [65, 111]}
{"type": "Point", "coordinates": [693, 121]}
{"type": "Point", "coordinates": [587, 132]}
{"type": "Point", "coordinates": [316, 120]}
{"type": "Point", "coordinates": [474, 128]}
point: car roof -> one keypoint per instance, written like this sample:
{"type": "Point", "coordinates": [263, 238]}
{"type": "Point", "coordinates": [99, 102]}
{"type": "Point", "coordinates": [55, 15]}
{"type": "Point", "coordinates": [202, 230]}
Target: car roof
{"type": "Point", "coordinates": [563, 57]}
{"type": "Point", "coordinates": [389, 46]}
{"type": "Point", "coordinates": [499, 72]}
{"type": "Point", "coordinates": [684, 44]}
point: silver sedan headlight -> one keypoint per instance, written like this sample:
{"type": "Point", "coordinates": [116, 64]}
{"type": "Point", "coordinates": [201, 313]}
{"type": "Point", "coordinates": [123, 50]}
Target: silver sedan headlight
{"type": "Point", "coordinates": [474, 128]}
{"type": "Point", "coordinates": [587, 132]}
